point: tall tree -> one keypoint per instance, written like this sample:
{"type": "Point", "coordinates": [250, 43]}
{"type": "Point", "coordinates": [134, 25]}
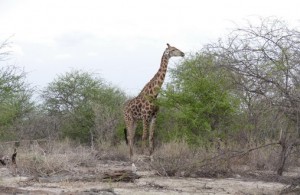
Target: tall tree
{"type": "Point", "coordinates": [15, 95]}
{"type": "Point", "coordinates": [264, 60]}
{"type": "Point", "coordinates": [198, 99]}
{"type": "Point", "coordinates": [85, 105]}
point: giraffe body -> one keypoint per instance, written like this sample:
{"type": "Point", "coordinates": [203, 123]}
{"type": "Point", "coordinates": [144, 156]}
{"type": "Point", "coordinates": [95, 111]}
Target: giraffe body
{"type": "Point", "coordinates": [143, 106]}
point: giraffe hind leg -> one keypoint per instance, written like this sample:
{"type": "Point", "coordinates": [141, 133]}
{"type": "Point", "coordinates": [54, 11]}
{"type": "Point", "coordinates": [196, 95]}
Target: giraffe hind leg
{"type": "Point", "coordinates": [151, 135]}
{"type": "Point", "coordinates": [130, 132]}
{"type": "Point", "coordinates": [125, 135]}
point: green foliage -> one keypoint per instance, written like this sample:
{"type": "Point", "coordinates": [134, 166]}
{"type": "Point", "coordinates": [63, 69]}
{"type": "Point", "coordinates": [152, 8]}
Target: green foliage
{"type": "Point", "coordinates": [84, 104]}
{"type": "Point", "coordinates": [15, 100]}
{"type": "Point", "coordinates": [197, 101]}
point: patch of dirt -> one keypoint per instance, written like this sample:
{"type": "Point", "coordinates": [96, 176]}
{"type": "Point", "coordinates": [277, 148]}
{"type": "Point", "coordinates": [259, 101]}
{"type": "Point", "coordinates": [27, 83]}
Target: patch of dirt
{"type": "Point", "coordinates": [90, 181]}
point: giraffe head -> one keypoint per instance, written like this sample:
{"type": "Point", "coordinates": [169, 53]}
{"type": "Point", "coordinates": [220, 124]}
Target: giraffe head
{"type": "Point", "coordinates": [173, 51]}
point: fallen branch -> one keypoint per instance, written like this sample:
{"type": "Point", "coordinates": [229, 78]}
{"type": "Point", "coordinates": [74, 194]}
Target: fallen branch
{"type": "Point", "coordinates": [110, 176]}
{"type": "Point", "coordinates": [231, 154]}
{"type": "Point", "coordinates": [120, 175]}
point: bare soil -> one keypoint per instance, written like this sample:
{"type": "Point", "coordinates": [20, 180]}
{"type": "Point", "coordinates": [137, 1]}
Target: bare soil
{"type": "Point", "coordinates": [89, 181]}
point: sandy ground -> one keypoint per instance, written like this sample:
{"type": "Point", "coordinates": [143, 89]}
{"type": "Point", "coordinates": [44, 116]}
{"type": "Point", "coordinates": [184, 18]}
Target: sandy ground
{"type": "Point", "coordinates": [149, 183]}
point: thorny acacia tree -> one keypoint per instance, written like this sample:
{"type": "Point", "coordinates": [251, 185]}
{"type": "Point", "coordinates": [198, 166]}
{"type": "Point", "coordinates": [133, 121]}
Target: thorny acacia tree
{"type": "Point", "coordinates": [197, 105]}
{"type": "Point", "coordinates": [87, 108]}
{"type": "Point", "coordinates": [15, 96]}
{"type": "Point", "coordinates": [265, 64]}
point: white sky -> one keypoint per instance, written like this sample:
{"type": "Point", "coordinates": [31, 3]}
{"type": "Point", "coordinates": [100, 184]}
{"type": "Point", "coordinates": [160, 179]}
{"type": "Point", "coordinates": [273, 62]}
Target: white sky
{"type": "Point", "coordinates": [121, 40]}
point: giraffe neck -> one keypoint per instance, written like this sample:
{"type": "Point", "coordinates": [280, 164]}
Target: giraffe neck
{"type": "Point", "coordinates": [153, 87]}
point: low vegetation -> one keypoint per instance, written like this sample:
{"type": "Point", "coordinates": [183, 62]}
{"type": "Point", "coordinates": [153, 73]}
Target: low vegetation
{"type": "Point", "coordinates": [45, 158]}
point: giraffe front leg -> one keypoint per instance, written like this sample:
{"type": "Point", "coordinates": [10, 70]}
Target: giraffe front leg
{"type": "Point", "coordinates": [131, 126]}
{"type": "Point", "coordinates": [145, 131]}
{"type": "Point", "coordinates": [151, 135]}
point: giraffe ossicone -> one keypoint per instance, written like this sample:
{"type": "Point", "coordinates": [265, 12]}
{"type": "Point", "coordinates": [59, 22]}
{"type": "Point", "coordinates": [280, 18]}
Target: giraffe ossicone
{"type": "Point", "coordinates": [143, 106]}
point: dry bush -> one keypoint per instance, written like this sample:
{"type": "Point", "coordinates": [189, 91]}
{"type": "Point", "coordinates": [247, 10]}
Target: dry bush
{"type": "Point", "coordinates": [252, 157]}
{"type": "Point", "coordinates": [172, 158]}
{"type": "Point", "coordinates": [179, 159]}
{"type": "Point", "coordinates": [6, 150]}
{"type": "Point", "coordinates": [45, 158]}
{"type": "Point", "coordinates": [118, 152]}
{"type": "Point", "coordinates": [53, 158]}
{"type": "Point", "coordinates": [264, 158]}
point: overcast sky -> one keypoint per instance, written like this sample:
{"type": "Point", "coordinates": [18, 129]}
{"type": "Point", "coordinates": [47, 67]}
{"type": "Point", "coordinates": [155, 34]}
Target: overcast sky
{"type": "Point", "coordinates": [121, 40]}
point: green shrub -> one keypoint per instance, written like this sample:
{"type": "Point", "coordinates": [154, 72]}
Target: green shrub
{"type": "Point", "coordinates": [197, 103]}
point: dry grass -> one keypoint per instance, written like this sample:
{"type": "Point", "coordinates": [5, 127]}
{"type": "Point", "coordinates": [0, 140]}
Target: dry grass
{"type": "Point", "coordinates": [170, 159]}
{"type": "Point", "coordinates": [262, 159]}
{"type": "Point", "coordinates": [179, 159]}
{"type": "Point", "coordinates": [173, 159]}
{"type": "Point", "coordinates": [53, 157]}
{"type": "Point", "coordinates": [116, 153]}
{"type": "Point", "coordinates": [46, 158]}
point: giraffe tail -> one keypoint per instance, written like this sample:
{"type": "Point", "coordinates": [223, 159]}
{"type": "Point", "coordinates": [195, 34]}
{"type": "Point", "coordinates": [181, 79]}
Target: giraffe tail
{"type": "Point", "coordinates": [125, 134]}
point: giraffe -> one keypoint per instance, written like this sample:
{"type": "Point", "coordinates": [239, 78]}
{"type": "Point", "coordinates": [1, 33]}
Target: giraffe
{"type": "Point", "coordinates": [143, 106]}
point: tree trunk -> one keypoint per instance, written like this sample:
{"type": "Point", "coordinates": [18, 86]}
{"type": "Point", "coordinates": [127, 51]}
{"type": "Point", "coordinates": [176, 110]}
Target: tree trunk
{"type": "Point", "coordinates": [282, 158]}
{"type": "Point", "coordinates": [285, 147]}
